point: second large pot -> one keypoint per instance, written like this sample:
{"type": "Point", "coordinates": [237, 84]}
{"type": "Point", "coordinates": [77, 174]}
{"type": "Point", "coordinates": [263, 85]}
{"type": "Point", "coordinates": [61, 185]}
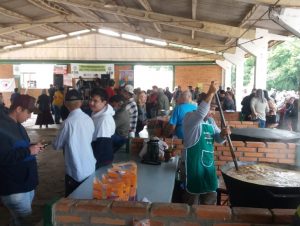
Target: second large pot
{"type": "Point", "coordinates": [245, 194]}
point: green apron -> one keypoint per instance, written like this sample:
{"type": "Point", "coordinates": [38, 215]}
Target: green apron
{"type": "Point", "coordinates": [201, 174]}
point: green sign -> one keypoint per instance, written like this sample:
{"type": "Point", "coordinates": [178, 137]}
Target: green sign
{"type": "Point", "coordinates": [92, 67]}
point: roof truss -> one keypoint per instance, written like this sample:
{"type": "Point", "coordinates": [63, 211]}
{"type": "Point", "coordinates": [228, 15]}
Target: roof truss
{"type": "Point", "coordinates": [152, 17]}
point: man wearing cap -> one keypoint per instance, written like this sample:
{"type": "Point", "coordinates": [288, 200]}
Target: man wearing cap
{"type": "Point", "coordinates": [121, 118]}
{"type": "Point", "coordinates": [75, 138]}
{"type": "Point", "coordinates": [131, 107]}
{"type": "Point", "coordinates": [18, 166]}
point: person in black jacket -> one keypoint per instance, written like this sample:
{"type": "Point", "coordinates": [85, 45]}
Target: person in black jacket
{"type": "Point", "coordinates": [246, 109]}
{"type": "Point", "coordinates": [18, 166]}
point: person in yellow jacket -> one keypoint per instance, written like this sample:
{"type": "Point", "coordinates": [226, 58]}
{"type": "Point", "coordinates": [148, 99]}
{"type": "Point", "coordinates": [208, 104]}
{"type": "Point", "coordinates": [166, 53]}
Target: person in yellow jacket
{"type": "Point", "coordinates": [58, 101]}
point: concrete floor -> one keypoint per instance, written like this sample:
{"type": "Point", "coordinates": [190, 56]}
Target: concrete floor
{"type": "Point", "coordinates": [51, 172]}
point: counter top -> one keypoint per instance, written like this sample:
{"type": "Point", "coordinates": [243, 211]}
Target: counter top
{"type": "Point", "coordinates": [155, 182]}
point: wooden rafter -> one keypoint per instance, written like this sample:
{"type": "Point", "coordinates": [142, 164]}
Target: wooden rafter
{"type": "Point", "coordinates": [179, 22]}
{"type": "Point", "coordinates": [147, 7]}
{"type": "Point", "coordinates": [36, 23]}
{"type": "Point", "coordinates": [49, 6]}
{"type": "Point", "coordinates": [176, 38]}
{"type": "Point", "coordinates": [284, 3]}
{"type": "Point", "coordinates": [194, 14]}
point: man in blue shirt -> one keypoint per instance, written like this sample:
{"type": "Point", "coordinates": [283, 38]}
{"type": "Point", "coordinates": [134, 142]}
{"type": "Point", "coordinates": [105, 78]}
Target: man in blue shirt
{"type": "Point", "coordinates": [179, 112]}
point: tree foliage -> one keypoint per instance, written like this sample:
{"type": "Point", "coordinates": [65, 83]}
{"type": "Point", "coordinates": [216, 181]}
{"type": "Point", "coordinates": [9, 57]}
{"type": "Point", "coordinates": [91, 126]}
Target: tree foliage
{"type": "Point", "coordinates": [284, 66]}
{"type": "Point", "coordinates": [249, 70]}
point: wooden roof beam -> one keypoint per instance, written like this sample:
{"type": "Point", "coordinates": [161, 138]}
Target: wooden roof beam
{"type": "Point", "coordinates": [175, 38]}
{"type": "Point", "coordinates": [179, 22]}
{"type": "Point", "coordinates": [147, 7]}
{"type": "Point", "coordinates": [194, 14]}
{"type": "Point", "coordinates": [37, 23]}
{"type": "Point", "coordinates": [49, 6]}
{"type": "Point", "coordinates": [283, 3]}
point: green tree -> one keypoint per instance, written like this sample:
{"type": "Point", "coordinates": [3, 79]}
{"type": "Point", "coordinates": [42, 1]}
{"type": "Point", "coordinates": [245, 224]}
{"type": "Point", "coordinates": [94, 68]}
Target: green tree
{"type": "Point", "coordinates": [284, 66]}
{"type": "Point", "coordinates": [249, 70]}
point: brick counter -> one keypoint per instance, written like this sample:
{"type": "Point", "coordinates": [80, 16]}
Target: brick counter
{"type": "Point", "coordinates": [275, 152]}
{"type": "Point", "coordinates": [103, 212]}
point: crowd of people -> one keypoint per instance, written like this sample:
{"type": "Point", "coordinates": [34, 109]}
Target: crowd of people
{"type": "Point", "coordinates": [93, 130]}
{"type": "Point", "coordinates": [277, 110]}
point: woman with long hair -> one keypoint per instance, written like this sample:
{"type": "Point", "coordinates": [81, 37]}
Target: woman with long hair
{"type": "Point", "coordinates": [142, 112]}
{"type": "Point", "coordinates": [271, 116]}
{"type": "Point", "coordinates": [259, 108]}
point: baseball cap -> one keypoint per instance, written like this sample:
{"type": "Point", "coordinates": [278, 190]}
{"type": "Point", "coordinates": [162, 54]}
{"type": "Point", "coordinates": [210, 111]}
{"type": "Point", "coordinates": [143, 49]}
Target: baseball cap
{"type": "Point", "coordinates": [24, 101]}
{"type": "Point", "coordinates": [129, 88]}
{"type": "Point", "coordinates": [72, 95]}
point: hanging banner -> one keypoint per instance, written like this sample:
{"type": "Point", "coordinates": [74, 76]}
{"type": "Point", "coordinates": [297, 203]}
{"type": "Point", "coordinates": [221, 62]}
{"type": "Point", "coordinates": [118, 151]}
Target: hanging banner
{"type": "Point", "coordinates": [60, 69]}
{"type": "Point", "coordinates": [92, 70]}
{"type": "Point", "coordinates": [7, 85]}
{"type": "Point", "coordinates": [126, 77]}
{"type": "Point", "coordinates": [68, 79]}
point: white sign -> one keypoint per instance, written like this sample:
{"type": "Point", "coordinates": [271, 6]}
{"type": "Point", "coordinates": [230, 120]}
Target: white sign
{"type": "Point", "coordinates": [7, 85]}
{"type": "Point", "coordinates": [92, 70]}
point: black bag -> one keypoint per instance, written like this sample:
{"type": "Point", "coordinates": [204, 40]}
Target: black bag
{"type": "Point", "coordinates": [271, 119]}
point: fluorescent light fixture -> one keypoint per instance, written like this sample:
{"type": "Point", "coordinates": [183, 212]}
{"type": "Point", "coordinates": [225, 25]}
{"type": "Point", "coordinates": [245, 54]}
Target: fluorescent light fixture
{"type": "Point", "coordinates": [79, 32]}
{"type": "Point", "coordinates": [180, 46]}
{"type": "Point", "coordinates": [109, 32]}
{"type": "Point", "coordinates": [93, 29]}
{"type": "Point", "coordinates": [132, 37]}
{"type": "Point", "coordinates": [204, 50]}
{"type": "Point", "coordinates": [34, 42]}
{"type": "Point", "coordinates": [155, 42]}
{"type": "Point", "coordinates": [12, 46]}
{"type": "Point", "coordinates": [56, 37]}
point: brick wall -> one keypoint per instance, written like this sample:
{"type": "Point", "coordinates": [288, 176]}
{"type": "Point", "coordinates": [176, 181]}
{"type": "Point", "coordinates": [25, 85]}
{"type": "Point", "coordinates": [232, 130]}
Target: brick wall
{"type": "Point", "coordinates": [104, 212]}
{"type": "Point", "coordinates": [248, 151]}
{"type": "Point", "coordinates": [6, 71]}
{"type": "Point", "coordinates": [192, 75]}
{"type": "Point", "coordinates": [233, 120]}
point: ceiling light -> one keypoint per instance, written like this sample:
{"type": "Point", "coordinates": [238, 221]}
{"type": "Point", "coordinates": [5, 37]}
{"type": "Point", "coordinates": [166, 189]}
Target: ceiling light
{"type": "Point", "coordinates": [179, 46]}
{"type": "Point", "coordinates": [34, 42]}
{"type": "Point", "coordinates": [132, 37]}
{"type": "Point", "coordinates": [56, 37]}
{"type": "Point", "coordinates": [109, 32]}
{"type": "Point", "coordinates": [12, 46]}
{"type": "Point", "coordinates": [204, 50]}
{"type": "Point", "coordinates": [155, 42]}
{"type": "Point", "coordinates": [79, 32]}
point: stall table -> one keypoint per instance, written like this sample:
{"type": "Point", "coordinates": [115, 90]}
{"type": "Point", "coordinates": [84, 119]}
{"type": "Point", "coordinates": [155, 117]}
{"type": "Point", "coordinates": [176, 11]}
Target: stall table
{"type": "Point", "coordinates": [155, 182]}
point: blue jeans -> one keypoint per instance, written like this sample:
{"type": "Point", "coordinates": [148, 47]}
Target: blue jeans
{"type": "Point", "coordinates": [19, 206]}
{"type": "Point", "coordinates": [261, 123]}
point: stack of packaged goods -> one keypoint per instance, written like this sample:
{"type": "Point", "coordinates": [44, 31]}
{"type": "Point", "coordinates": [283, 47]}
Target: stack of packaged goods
{"type": "Point", "coordinates": [119, 183]}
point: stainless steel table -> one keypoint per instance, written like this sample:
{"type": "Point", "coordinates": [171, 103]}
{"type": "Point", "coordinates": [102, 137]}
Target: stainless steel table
{"type": "Point", "coordinates": [155, 182]}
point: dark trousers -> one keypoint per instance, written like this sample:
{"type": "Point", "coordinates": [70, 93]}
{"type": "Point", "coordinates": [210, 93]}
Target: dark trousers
{"type": "Point", "coordinates": [70, 185]}
{"type": "Point", "coordinates": [118, 141]}
{"type": "Point", "coordinates": [56, 114]}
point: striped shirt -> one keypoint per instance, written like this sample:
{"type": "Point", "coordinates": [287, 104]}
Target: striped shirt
{"type": "Point", "coordinates": [131, 107]}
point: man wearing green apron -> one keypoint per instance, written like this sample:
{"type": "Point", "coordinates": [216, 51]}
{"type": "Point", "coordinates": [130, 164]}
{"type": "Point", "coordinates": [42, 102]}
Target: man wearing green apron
{"type": "Point", "coordinates": [200, 132]}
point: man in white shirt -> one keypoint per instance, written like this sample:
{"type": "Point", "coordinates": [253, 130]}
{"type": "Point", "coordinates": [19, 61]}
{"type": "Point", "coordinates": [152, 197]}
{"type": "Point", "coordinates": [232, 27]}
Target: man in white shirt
{"type": "Point", "coordinates": [75, 138]}
{"type": "Point", "coordinates": [102, 116]}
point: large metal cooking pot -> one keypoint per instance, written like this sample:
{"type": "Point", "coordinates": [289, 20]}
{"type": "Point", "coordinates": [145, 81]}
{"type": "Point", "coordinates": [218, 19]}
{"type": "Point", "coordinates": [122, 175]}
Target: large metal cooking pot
{"type": "Point", "coordinates": [246, 194]}
{"type": "Point", "coordinates": [264, 134]}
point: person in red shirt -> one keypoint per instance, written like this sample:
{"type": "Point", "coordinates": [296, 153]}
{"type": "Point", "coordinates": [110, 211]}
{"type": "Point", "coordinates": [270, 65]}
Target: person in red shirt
{"type": "Point", "coordinates": [110, 89]}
